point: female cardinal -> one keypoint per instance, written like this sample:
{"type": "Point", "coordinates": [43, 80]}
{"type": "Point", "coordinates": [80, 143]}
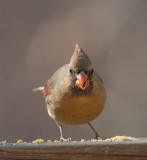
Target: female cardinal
{"type": "Point", "coordinates": [74, 94]}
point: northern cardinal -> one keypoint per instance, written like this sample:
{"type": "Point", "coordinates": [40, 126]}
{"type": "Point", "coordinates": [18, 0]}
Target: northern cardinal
{"type": "Point", "coordinates": [74, 94]}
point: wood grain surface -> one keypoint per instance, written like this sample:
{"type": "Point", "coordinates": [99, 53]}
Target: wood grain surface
{"type": "Point", "coordinates": [78, 150]}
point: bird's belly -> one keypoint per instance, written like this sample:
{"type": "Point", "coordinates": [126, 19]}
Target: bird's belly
{"type": "Point", "coordinates": [77, 110]}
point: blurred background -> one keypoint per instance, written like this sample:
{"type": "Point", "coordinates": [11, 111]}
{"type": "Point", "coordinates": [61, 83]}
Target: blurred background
{"type": "Point", "coordinates": [38, 36]}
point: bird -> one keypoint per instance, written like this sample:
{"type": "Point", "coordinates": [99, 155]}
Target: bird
{"type": "Point", "coordinates": [75, 93]}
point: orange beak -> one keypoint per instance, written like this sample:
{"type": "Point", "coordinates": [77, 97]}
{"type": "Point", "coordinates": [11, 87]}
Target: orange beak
{"type": "Point", "coordinates": [82, 80]}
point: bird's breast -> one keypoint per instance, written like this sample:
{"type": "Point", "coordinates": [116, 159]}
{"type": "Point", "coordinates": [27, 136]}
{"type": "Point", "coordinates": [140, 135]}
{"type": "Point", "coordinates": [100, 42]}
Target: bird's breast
{"type": "Point", "coordinates": [76, 110]}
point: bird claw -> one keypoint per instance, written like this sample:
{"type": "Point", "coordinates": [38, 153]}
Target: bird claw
{"type": "Point", "coordinates": [99, 138]}
{"type": "Point", "coordinates": [65, 139]}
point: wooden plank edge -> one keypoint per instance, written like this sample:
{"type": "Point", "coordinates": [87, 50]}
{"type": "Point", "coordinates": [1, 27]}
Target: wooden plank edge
{"type": "Point", "coordinates": [79, 150]}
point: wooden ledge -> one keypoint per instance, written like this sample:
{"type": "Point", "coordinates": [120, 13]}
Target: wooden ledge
{"type": "Point", "coordinates": [76, 150]}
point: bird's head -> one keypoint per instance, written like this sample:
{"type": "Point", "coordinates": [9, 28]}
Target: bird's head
{"type": "Point", "coordinates": [81, 71]}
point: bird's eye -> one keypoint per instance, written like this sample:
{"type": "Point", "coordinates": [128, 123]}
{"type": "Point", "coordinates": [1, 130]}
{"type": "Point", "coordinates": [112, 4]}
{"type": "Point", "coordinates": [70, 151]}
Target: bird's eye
{"type": "Point", "coordinates": [78, 72]}
{"type": "Point", "coordinates": [91, 71]}
{"type": "Point", "coordinates": [71, 71]}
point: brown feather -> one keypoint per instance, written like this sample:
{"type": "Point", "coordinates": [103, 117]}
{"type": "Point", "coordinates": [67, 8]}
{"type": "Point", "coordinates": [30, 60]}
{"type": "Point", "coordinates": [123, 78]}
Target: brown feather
{"type": "Point", "coordinates": [80, 60]}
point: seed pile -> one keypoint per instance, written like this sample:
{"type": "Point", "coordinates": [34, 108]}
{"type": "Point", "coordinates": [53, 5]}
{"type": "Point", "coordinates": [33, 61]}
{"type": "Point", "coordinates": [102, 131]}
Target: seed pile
{"type": "Point", "coordinates": [113, 139]}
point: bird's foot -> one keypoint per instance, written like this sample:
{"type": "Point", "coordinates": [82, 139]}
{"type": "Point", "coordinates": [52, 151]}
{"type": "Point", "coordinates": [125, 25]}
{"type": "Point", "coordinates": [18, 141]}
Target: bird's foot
{"type": "Point", "coordinates": [99, 138]}
{"type": "Point", "coordinates": [65, 139]}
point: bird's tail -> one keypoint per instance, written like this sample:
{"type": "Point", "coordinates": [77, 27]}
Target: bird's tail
{"type": "Point", "coordinates": [38, 89]}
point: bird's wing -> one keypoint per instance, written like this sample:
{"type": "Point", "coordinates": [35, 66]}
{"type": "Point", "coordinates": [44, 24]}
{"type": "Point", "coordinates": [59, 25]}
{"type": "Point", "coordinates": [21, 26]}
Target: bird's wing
{"type": "Point", "coordinates": [54, 81]}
